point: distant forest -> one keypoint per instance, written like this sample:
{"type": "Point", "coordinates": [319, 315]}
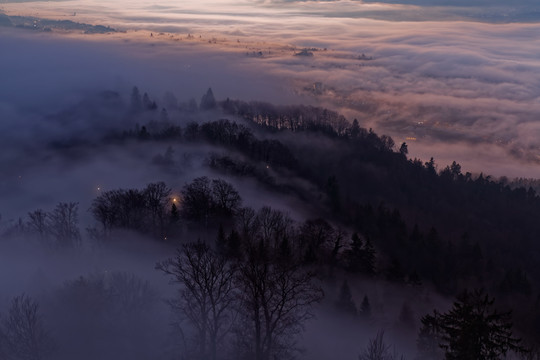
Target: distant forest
{"type": "Point", "coordinates": [374, 212]}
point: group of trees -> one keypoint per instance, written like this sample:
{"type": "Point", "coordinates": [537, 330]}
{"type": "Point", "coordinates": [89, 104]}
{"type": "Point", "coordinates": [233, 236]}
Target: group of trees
{"type": "Point", "coordinates": [210, 202]}
{"type": "Point", "coordinates": [346, 306]}
{"type": "Point", "coordinates": [238, 137]}
{"type": "Point", "coordinates": [141, 103]}
{"type": "Point", "coordinates": [154, 211]}
{"type": "Point", "coordinates": [204, 199]}
{"type": "Point", "coordinates": [316, 242]}
{"type": "Point", "coordinates": [100, 316]}
{"type": "Point", "coordinates": [291, 117]}
{"type": "Point", "coordinates": [104, 314]}
{"type": "Point", "coordinates": [258, 302]}
{"type": "Point", "coordinates": [143, 210]}
{"type": "Point", "coordinates": [259, 299]}
{"type": "Point", "coordinates": [439, 225]}
{"type": "Point", "coordinates": [471, 329]}
{"type": "Point", "coordinates": [411, 223]}
{"type": "Point", "coordinates": [58, 228]}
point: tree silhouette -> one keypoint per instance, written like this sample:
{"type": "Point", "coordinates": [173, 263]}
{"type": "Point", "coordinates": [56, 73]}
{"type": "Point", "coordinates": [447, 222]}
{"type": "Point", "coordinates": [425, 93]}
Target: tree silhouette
{"type": "Point", "coordinates": [208, 100]}
{"type": "Point", "coordinates": [207, 293]}
{"type": "Point", "coordinates": [429, 338]}
{"type": "Point", "coordinates": [276, 298]}
{"type": "Point", "coordinates": [63, 224]}
{"type": "Point", "coordinates": [472, 329]}
{"type": "Point", "coordinates": [23, 332]}
{"type": "Point", "coordinates": [136, 101]}
{"type": "Point", "coordinates": [404, 149]}
{"type": "Point", "coordinates": [37, 222]}
{"type": "Point", "coordinates": [365, 308]}
{"type": "Point", "coordinates": [345, 303]}
{"type": "Point", "coordinates": [377, 349]}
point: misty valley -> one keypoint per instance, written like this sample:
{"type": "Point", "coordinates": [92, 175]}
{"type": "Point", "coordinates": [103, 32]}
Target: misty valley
{"type": "Point", "coordinates": [141, 227]}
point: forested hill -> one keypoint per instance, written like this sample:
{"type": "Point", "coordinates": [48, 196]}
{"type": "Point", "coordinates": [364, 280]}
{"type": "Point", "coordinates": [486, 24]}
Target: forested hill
{"type": "Point", "coordinates": [410, 205]}
{"type": "Point", "coordinates": [428, 223]}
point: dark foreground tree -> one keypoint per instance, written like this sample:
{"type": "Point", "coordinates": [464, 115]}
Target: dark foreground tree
{"type": "Point", "coordinates": [206, 295]}
{"type": "Point", "coordinates": [276, 301]}
{"type": "Point", "coordinates": [23, 332]}
{"type": "Point", "coordinates": [472, 329]}
{"type": "Point", "coordinates": [429, 338]}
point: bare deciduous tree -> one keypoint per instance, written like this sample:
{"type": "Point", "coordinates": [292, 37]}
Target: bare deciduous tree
{"type": "Point", "coordinates": [157, 198]}
{"type": "Point", "coordinates": [141, 210]}
{"type": "Point", "coordinates": [24, 335]}
{"type": "Point", "coordinates": [377, 349]}
{"type": "Point", "coordinates": [207, 293]}
{"type": "Point", "coordinates": [63, 224]}
{"type": "Point", "coordinates": [197, 199]}
{"type": "Point", "coordinates": [276, 301]}
{"type": "Point", "coordinates": [226, 198]}
{"type": "Point", "coordinates": [202, 199]}
{"type": "Point", "coordinates": [104, 210]}
{"type": "Point", "coordinates": [38, 223]}
{"type": "Point", "coordinates": [274, 225]}
{"type": "Point", "coordinates": [129, 293]}
{"type": "Point", "coordinates": [248, 222]}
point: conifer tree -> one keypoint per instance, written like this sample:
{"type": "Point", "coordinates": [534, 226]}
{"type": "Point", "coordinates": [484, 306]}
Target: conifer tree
{"type": "Point", "coordinates": [365, 308]}
{"type": "Point", "coordinates": [208, 100]}
{"type": "Point", "coordinates": [472, 329]}
{"type": "Point", "coordinates": [345, 303]}
{"type": "Point", "coordinates": [175, 214]}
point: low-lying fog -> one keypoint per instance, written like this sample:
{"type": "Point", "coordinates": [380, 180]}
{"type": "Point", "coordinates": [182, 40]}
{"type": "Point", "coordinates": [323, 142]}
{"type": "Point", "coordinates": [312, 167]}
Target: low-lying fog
{"type": "Point", "coordinates": [453, 89]}
{"type": "Point", "coordinates": [105, 299]}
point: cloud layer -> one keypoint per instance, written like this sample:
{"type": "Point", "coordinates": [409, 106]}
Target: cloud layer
{"type": "Point", "coordinates": [465, 90]}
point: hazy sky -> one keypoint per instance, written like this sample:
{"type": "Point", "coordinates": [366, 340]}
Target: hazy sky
{"type": "Point", "coordinates": [464, 81]}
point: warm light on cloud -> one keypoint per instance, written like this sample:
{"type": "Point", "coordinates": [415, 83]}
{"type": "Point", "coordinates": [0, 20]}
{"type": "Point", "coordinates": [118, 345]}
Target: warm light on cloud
{"type": "Point", "coordinates": [467, 82]}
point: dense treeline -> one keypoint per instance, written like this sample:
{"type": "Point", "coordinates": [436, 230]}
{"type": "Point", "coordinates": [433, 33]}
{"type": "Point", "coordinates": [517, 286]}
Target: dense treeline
{"type": "Point", "coordinates": [413, 212]}
{"type": "Point", "coordinates": [140, 210]}
{"type": "Point", "coordinates": [258, 265]}
{"type": "Point", "coordinates": [443, 226]}
{"type": "Point", "coordinates": [266, 254]}
{"type": "Point", "coordinates": [453, 229]}
{"type": "Point", "coordinates": [406, 207]}
{"type": "Point", "coordinates": [294, 118]}
{"type": "Point", "coordinates": [58, 228]}
{"type": "Point", "coordinates": [407, 223]}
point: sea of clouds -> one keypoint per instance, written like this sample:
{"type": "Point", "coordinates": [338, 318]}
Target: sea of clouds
{"type": "Point", "coordinates": [451, 81]}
